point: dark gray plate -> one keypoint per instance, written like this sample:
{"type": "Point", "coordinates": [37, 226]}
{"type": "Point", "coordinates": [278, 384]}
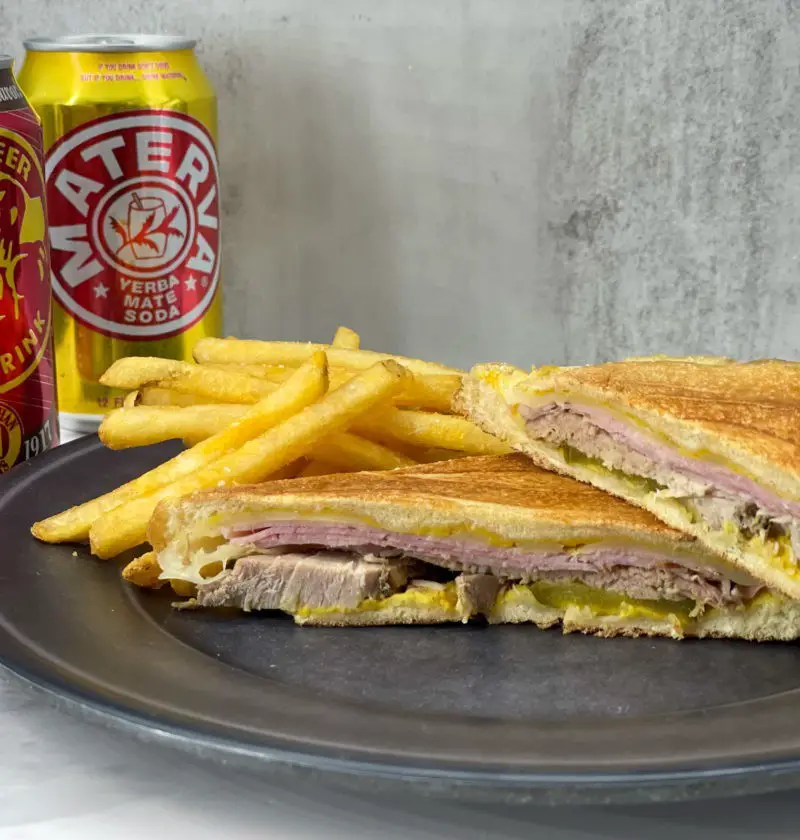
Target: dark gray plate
{"type": "Point", "coordinates": [510, 712]}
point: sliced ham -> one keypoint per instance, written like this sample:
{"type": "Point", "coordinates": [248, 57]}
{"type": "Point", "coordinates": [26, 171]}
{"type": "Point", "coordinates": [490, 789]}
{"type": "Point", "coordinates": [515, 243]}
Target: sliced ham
{"type": "Point", "coordinates": [599, 434]}
{"type": "Point", "coordinates": [635, 572]}
{"type": "Point", "coordinates": [462, 554]}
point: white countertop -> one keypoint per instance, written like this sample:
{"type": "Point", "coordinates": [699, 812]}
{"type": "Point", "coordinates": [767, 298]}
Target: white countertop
{"type": "Point", "coordinates": [63, 778]}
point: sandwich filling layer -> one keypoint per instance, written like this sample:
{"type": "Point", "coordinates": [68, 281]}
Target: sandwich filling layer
{"type": "Point", "coordinates": [323, 587]}
{"type": "Point", "coordinates": [313, 564]}
{"type": "Point", "coordinates": [724, 500]}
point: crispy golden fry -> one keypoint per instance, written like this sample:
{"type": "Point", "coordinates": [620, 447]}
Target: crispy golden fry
{"type": "Point", "coordinates": [191, 440]}
{"type": "Point", "coordinates": [221, 386]}
{"type": "Point", "coordinates": [152, 395]}
{"type": "Point", "coordinates": [349, 452]}
{"type": "Point", "coordinates": [192, 424]}
{"type": "Point", "coordinates": [432, 392]}
{"type": "Point", "coordinates": [419, 437]}
{"type": "Point", "coordinates": [144, 572]}
{"type": "Point", "coordinates": [144, 425]}
{"type": "Point", "coordinates": [425, 429]}
{"type": "Point", "coordinates": [306, 386]}
{"type": "Point", "coordinates": [134, 371]}
{"type": "Point", "coordinates": [212, 384]}
{"type": "Point", "coordinates": [131, 400]}
{"type": "Point", "coordinates": [346, 339]}
{"type": "Point", "coordinates": [240, 351]}
{"type": "Point", "coordinates": [126, 526]}
{"type": "Point", "coordinates": [272, 373]}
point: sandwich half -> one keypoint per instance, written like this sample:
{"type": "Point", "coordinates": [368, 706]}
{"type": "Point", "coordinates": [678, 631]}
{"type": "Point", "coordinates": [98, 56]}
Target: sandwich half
{"type": "Point", "coordinates": [708, 445]}
{"type": "Point", "coordinates": [491, 538]}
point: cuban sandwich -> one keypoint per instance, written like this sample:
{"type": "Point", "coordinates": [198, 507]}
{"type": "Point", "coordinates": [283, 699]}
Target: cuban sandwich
{"type": "Point", "coordinates": [494, 539]}
{"type": "Point", "coordinates": [708, 445]}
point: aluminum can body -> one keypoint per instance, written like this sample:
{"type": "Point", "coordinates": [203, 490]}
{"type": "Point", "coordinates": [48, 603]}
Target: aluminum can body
{"type": "Point", "coordinates": [28, 410]}
{"type": "Point", "coordinates": [132, 183]}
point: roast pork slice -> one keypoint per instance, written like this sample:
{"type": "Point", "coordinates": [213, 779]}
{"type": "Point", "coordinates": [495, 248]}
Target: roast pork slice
{"type": "Point", "coordinates": [301, 579]}
{"type": "Point", "coordinates": [477, 593]}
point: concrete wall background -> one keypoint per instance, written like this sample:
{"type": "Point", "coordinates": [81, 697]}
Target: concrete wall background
{"type": "Point", "coordinates": [549, 181]}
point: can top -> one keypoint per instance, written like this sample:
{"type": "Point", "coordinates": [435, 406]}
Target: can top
{"type": "Point", "coordinates": [108, 43]}
{"type": "Point", "coordinates": [5, 61]}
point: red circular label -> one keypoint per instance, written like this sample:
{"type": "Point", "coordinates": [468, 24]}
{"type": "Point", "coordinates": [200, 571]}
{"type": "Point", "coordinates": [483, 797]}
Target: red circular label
{"type": "Point", "coordinates": [133, 205]}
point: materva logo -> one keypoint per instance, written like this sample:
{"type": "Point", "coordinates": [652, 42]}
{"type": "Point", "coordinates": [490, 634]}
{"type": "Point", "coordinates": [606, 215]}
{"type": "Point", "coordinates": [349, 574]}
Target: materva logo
{"type": "Point", "coordinates": [133, 203]}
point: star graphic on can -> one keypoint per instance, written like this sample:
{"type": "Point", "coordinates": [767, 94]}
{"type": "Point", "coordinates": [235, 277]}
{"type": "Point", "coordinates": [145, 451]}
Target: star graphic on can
{"type": "Point", "coordinates": [100, 290]}
{"type": "Point", "coordinates": [191, 283]}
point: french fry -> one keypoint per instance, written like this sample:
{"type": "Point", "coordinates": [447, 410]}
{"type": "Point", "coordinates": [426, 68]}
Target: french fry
{"type": "Point", "coordinates": [143, 425]}
{"type": "Point", "coordinates": [420, 437]}
{"type": "Point", "coordinates": [346, 339]}
{"type": "Point", "coordinates": [134, 371]}
{"type": "Point", "coordinates": [144, 571]}
{"type": "Point", "coordinates": [131, 400]}
{"type": "Point", "coordinates": [241, 351]}
{"type": "Point", "coordinates": [126, 526]}
{"type": "Point", "coordinates": [272, 373]}
{"type": "Point", "coordinates": [306, 386]}
{"type": "Point", "coordinates": [221, 386]}
{"type": "Point", "coordinates": [192, 424]}
{"type": "Point", "coordinates": [432, 392]}
{"type": "Point", "coordinates": [349, 452]}
{"type": "Point", "coordinates": [425, 429]}
{"type": "Point", "coordinates": [152, 395]}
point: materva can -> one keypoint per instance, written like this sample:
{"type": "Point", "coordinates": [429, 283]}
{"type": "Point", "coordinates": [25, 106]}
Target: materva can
{"type": "Point", "coordinates": [28, 414]}
{"type": "Point", "coordinates": [130, 125]}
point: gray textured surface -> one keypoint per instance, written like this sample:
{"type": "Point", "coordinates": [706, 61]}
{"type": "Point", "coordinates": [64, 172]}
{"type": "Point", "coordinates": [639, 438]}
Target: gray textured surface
{"type": "Point", "coordinates": [563, 180]}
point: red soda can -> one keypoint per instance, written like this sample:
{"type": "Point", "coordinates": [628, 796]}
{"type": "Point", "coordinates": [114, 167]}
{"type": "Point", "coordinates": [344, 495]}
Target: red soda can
{"type": "Point", "coordinates": [28, 413]}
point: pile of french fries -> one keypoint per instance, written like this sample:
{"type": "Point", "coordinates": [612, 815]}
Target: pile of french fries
{"type": "Point", "coordinates": [251, 411]}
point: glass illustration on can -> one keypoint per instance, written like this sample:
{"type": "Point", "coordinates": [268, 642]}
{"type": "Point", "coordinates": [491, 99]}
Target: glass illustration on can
{"type": "Point", "coordinates": [28, 413]}
{"type": "Point", "coordinates": [133, 205]}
